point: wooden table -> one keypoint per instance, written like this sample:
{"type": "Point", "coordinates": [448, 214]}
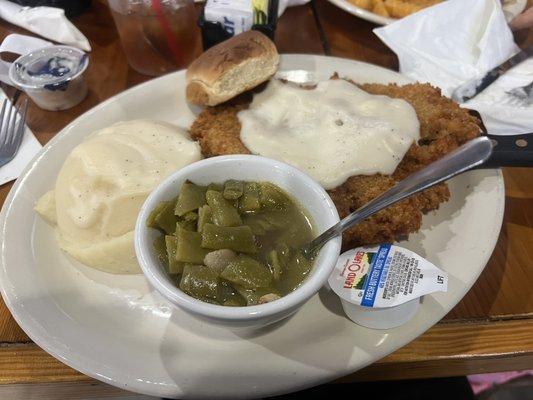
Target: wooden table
{"type": "Point", "coordinates": [491, 329]}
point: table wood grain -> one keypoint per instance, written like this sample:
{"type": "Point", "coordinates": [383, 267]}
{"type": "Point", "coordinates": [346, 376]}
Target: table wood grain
{"type": "Point", "coordinates": [491, 329]}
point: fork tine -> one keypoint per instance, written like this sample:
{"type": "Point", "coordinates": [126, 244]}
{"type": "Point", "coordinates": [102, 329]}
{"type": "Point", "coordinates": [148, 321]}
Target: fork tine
{"type": "Point", "coordinates": [14, 132]}
{"type": "Point", "coordinates": [2, 125]}
{"type": "Point", "coordinates": [2, 112]}
{"type": "Point", "coordinates": [11, 125]}
{"type": "Point", "coordinates": [5, 124]}
{"type": "Point", "coordinates": [21, 128]}
{"type": "Point", "coordinates": [17, 140]}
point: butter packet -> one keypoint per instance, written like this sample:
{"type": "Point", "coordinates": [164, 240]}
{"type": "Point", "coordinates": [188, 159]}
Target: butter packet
{"type": "Point", "coordinates": [380, 287]}
{"type": "Point", "coordinates": [385, 276]}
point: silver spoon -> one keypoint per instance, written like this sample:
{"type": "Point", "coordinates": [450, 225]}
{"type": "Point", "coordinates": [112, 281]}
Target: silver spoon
{"type": "Point", "coordinates": [469, 155]}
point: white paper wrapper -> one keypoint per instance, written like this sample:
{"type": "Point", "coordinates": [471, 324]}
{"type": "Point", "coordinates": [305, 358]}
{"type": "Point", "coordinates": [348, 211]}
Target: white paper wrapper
{"type": "Point", "coordinates": [48, 22]}
{"type": "Point", "coordinates": [452, 43]}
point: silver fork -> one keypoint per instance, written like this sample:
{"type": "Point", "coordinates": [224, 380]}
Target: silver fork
{"type": "Point", "coordinates": [524, 93]}
{"type": "Point", "coordinates": [11, 129]}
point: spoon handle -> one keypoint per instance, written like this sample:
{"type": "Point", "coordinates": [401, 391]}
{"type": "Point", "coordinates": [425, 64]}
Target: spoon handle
{"type": "Point", "coordinates": [467, 156]}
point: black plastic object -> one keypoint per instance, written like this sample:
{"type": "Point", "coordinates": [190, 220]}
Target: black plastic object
{"type": "Point", "coordinates": [508, 151]}
{"type": "Point", "coordinates": [511, 151]}
{"type": "Point", "coordinates": [213, 33]}
{"type": "Point", "coordinates": [71, 7]}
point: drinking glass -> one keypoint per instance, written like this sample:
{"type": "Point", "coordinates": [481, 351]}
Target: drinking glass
{"type": "Point", "coordinates": [158, 36]}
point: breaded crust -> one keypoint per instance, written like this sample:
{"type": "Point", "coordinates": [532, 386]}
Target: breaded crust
{"type": "Point", "coordinates": [443, 127]}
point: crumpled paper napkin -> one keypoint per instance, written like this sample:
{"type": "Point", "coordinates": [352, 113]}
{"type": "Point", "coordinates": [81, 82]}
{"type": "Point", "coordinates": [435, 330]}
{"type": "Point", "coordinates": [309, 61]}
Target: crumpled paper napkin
{"type": "Point", "coordinates": [48, 22]}
{"type": "Point", "coordinates": [456, 41]}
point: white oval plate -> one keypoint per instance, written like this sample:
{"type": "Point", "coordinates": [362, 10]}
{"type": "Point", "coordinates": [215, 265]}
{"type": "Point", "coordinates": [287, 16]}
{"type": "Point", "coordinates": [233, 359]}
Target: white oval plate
{"type": "Point", "coordinates": [511, 8]}
{"type": "Point", "coordinates": [113, 328]}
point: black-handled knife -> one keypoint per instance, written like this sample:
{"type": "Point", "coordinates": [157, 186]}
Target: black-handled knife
{"type": "Point", "coordinates": [472, 88]}
{"type": "Point", "coordinates": [508, 151]}
{"type": "Point", "coordinates": [511, 151]}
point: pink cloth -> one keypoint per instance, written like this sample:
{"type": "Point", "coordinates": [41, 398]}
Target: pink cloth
{"type": "Point", "coordinates": [480, 383]}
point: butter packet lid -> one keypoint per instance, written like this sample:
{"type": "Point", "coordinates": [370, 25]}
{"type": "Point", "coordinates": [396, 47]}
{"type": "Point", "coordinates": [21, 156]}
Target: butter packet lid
{"type": "Point", "coordinates": [385, 276]}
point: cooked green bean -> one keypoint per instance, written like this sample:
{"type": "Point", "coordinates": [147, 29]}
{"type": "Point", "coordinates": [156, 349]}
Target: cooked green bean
{"type": "Point", "coordinates": [274, 264]}
{"type": "Point", "coordinates": [205, 216]}
{"type": "Point", "coordinates": [190, 216]}
{"type": "Point", "coordinates": [189, 221]}
{"type": "Point", "coordinates": [272, 197]}
{"type": "Point", "coordinates": [151, 222]}
{"type": "Point", "coordinates": [247, 272]}
{"type": "Point", "coordinates": [161, 249]}
{"type": "Point", "coordinates": [256, 227]}
{"type": "Point", "coordinates": [191, 197]}
{"type": "Point", "coordinates": [233, 189]}
{"type": "Point", "coordinates": [200, 282]}
{"type": "Point", "coordinates": [237, 238]}
{"type": "Point", "coordinates": [249, 201]}
{"type": "Point", "coordinates": [223, 212]}
{"type": "Point", "coordinates": [258, 223]}
{"type": "Point", "coordinates": [227, 293]}
{"type": "Point", "coordinates": [234, 244]}
{"type": "Point", "coordinates": [250, 295]}
{"type": "Point", "coordinates": [188, 225]}
{"type": "Point", "coordinates": [174, 266]}
{"type": "Point", "coordinates": [294, 273]}
{"type": "Point", "coordinates": [217, 187]}
{"type": "Point", "coordinates": [284, 252]}
{"type": "Point", "coordinates": [277, 218]}
{"type": "Point", "coordinates": [189, 247]}
{"type": "Point", "coordinates": [166, 219]}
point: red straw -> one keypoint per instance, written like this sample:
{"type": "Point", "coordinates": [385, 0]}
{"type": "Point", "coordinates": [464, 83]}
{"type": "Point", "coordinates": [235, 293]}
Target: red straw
{"type": "Point", "coordinates": [171, 41]}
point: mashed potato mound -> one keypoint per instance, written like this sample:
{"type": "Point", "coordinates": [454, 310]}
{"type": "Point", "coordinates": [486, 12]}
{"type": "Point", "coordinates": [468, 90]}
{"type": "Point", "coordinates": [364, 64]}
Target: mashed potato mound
{"type": "Point", "coordinates": [103, 184]}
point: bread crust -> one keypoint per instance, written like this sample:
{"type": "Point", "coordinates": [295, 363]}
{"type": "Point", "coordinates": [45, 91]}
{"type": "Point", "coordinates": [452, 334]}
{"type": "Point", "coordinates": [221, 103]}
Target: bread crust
{"type": "Point", "coordinates": [209, 77]}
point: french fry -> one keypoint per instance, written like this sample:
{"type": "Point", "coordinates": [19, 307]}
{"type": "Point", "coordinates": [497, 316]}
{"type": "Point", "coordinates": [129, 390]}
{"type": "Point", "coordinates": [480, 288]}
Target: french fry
{"type": "Point", "coordinates": [380, 9]}
{"type": "Point", "coordinates": [366, 4]}
{"type": "Point", "coordinates": [394, 8]}
{"type": "Point", "coordinates": [400, 9]}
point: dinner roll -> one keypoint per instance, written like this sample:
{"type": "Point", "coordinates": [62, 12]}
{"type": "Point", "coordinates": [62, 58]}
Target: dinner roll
{"type": "Point", "coordinates": [231, 68]}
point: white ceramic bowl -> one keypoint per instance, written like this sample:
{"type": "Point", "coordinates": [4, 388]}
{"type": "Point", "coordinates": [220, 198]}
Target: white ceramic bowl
{"type": "Point", "coordinates": [249, 168]}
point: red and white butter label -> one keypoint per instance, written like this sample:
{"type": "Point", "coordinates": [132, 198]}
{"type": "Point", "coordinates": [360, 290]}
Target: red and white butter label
{"type": "Point", "coordinates": [385, 276]}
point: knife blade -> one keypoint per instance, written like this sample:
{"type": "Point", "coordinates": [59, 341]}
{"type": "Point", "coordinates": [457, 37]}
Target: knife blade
{"type": "Point", "coordinates": [472, 88]}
